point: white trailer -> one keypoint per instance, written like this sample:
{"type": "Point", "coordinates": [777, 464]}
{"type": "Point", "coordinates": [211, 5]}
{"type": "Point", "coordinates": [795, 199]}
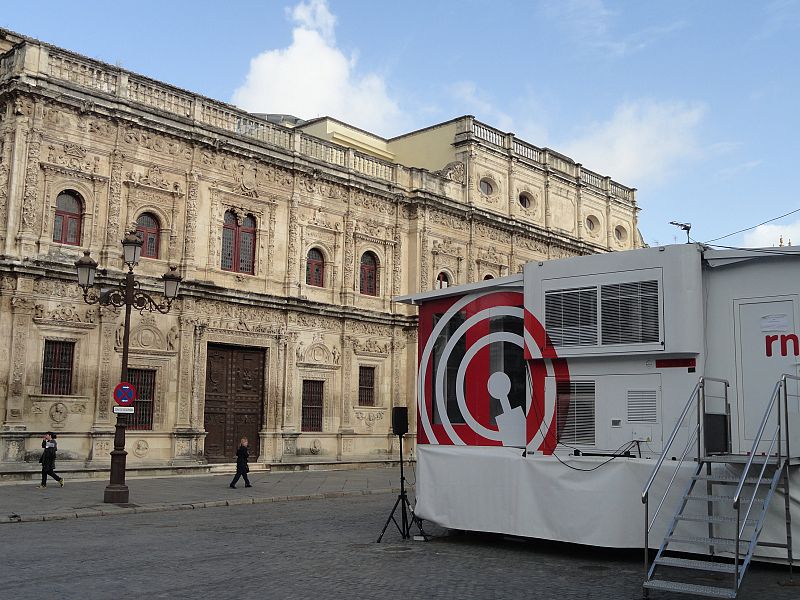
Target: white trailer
{"type": "Point", "coordinates": [554, 403]}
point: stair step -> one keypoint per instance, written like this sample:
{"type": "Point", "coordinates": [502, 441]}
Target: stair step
{"type": "Point", "coordinates": [738, 459]}
{"type": "Point", "coordinates": [727, 479]}
{"type": "Point", "coordinates": [690, 588]}
{"type": "Point", "coordinates": [718, 498]}
{"type": "Point", "coordinates": [698, 565]}
{"type": "Point", "coordinates": [705, 541]}
{"type": "Point", "coordinates": [714, 519]}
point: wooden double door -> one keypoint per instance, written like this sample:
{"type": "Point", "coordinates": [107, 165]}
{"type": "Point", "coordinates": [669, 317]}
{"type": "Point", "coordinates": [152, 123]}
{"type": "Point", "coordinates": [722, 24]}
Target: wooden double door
{"type": "Point", "coordinates": [234, 401]}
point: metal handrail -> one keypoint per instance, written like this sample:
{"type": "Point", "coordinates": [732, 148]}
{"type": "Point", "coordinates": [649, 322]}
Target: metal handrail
{"type": "Point", "coordinates": [757, 440]}
{"type": "Point", "coordinates": [698, 395]}
{"type": "Point", "coordinates": [671, 440]}
{"type": "Point", "coordinates": [781, 432]}
{"type": "Point", "coordinates": [675, 473]}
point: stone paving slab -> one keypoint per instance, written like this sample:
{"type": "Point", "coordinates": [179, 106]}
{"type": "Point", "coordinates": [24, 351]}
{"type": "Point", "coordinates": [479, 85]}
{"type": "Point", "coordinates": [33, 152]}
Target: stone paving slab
{"type": "Point", "coordinates": [25, 502]}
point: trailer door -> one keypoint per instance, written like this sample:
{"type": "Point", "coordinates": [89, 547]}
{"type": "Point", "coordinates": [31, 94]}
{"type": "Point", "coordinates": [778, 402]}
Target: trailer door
{"type": "Point", "coordinates": [766, 347]}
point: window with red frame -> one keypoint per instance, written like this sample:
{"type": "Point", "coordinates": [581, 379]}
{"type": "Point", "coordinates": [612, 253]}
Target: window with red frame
{"type": "Point", "coordinates": [369, 274]}
{"type": "Point", "coordinates": [67, 222]}
{"type": "Point", "coordinates": [238, 244]}
{"type": "Point", "coordinates": [148, 229]}
{"type": "Point", "coordinates": [315, 268]}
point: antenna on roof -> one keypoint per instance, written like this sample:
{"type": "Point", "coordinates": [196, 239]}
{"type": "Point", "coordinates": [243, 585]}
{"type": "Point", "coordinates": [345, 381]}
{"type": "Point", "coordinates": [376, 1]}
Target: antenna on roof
{"type": "Point", "coordinates": [687, 227]}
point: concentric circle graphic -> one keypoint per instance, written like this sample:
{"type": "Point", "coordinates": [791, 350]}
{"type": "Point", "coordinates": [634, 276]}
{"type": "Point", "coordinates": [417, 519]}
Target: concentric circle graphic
{"type": "Point", "coordinates": [532, 427]}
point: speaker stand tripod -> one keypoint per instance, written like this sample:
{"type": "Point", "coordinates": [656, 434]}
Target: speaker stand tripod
{"type": "Point", "coordinates": [404, 526]}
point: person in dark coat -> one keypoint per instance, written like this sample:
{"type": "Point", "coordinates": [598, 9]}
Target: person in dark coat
{"type": "Point", "coordinates": [242, 454]}
{"type": "Point", "coordinates": [48, 459]}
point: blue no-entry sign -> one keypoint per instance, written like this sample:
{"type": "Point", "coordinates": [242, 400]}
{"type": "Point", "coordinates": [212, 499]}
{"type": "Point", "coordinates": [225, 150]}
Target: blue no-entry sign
{"type": "Point", "coordinates": [124, 394]}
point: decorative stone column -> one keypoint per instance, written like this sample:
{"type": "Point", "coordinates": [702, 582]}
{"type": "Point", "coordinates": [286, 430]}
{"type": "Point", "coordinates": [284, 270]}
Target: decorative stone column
{"type": "Point", "coordinates": [110, 254]}
{"type": "Point", "coordinates": [29, 221]}
{"type": "Point", "coordinates": [291, 285]}
{"type": "Point", "coordinates": [347, 370]}
{"type": "Point", "coordinates": [289, 422]}
{"type": "Point", "coordinates": [5, 162]}
{"type": "Point", "coordinates": [349, 260]}
{"type": "Point", "coordinates": [192, 194]}
{"type": "Point", "coordinates": [12, 435]}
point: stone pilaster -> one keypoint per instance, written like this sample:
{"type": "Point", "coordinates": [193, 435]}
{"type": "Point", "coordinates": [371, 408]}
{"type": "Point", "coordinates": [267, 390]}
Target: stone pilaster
{"type": "Point", "coordinates": [347, 370]}
{"type": "Point", "coordinates": [194, 357]}
{"type": "Point", "coordinates": [107, 373]}
{"type": "Point", "coordinates": [192, 193]}
{"type": "Point", "coordinates": [291, 285]}
{"type": "Point", "coordinates": [5, 171]}
{"type": "Point", "coordinates": [30, 217]}
{"type": "Point", "coordinates": [111, 250]}
{"type": "Point", "coordinates": [348, 284]}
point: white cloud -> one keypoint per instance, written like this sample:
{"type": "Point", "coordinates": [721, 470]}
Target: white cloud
{"type": "Point", "coordinates": [766, 236]}
{"type": "Point", "coordinates": [642, 141]}
{"type": "Point", "coordinates": [313, 77]}
{"type": "Point", "coordinates": [735, 170]}
{"type": "Point", "coordinates": [591, 25]}
{"type": "Point", "coordinates": [315, 16]}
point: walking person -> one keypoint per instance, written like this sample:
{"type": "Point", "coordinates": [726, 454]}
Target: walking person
{"type": "Point", "coordinates": [242, 455]}
{"type": "Point", "coordinates": [48, 459]}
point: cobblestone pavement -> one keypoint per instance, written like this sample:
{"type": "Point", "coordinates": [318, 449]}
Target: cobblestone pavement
{"type": "Point", "coordinates": [308, 550]}
{"type": "Point", "coordinates": [24, 501]}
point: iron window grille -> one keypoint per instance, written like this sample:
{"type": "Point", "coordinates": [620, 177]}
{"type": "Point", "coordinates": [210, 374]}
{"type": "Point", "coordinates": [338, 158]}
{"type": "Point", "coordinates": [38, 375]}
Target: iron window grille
{"type": "Point", "coordinates": [57, 368]}
{"type": "Point", "coordinates": [312, 405]}
{"type": "Point", "coordinates": [144, 380]}
{"type": "Point", "coordinates": [67, 221]}
{"type": "Point", "coordinates": [366, 386]}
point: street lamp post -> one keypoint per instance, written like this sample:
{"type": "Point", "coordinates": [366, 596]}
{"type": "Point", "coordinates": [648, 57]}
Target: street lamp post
{"type": "Point", "coordinates": [129, 295]}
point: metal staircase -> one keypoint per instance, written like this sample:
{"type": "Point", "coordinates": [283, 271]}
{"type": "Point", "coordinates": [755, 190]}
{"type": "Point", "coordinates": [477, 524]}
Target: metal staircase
{"type": "Point", "coordinates": [721, 512]}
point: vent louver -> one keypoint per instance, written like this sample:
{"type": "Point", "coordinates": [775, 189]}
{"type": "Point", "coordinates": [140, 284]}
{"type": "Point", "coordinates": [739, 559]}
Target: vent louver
{"type": "Point", "coordinates": [571, 317]}
{"type": "Point", "coordinates": [642, 406]}
{"type": "Point", "coordinates": [576, 412]}
{"type": "Point", "coordinates": [630, 313]}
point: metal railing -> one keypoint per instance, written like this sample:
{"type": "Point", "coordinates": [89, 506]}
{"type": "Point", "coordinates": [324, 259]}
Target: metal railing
{"type": "Point", "coordinates": [780, 436]}
{"type": "Point", "coordinates": [698, 397]}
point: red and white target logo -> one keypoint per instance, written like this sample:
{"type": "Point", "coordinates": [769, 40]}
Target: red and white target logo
{"type": "Point", "coordinates": [483, 366]}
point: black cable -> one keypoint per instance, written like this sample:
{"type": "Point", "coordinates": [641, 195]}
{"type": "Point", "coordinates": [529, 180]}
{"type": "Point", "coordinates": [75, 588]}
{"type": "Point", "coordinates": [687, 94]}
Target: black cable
{"type": "Point", "coordinates": [754, 226]}
{"type": "Point", "coordinates": [558, 442]}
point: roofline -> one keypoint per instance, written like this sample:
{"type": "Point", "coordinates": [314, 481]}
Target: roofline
{"type": "Point", "coordinates": [460, 290]}
{"type": "Point", "coordinates": [434, 126]}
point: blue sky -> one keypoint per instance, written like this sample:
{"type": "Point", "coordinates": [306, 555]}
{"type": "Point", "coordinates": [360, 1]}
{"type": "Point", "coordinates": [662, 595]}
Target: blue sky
{"type": "Point", "coordinates": [693, 103]}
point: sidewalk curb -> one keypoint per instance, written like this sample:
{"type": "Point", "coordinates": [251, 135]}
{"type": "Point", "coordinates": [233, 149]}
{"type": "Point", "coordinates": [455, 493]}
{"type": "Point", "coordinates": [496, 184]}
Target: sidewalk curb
{"type": "Point", "coordinates": [111, 511]}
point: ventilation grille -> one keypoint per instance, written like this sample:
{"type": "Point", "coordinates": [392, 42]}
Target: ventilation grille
{"type": "Point", "coordinates": [630, 313]}
{"type": "Point", "coordinates": [642, 406]}
{"type": "Point", "coordinates": [571, 317]}
{"type": "Point", "coordinates": [576, 415]}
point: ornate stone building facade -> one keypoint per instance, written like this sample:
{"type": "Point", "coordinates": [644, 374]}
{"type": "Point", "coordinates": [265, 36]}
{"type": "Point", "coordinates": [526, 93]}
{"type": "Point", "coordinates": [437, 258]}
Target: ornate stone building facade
{"type": "Point", "coordinates": [292, 239]}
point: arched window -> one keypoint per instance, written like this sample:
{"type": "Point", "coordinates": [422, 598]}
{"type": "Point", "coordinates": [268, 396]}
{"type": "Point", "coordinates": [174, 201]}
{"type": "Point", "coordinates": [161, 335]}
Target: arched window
{"type": "Point", "coordinates": [442, 280]}
{"type": "Point", "coordinates": [67, 223]}
{"type": "Point", "coordinates": [238, 244]}
{"type": "Point", "coordinates": [369, 274]}
{"type": "Point", "coordinates": [488, 276]}
{"type": "Point", "coordinates": [315, 268]}
{"type": "Point", "coordinates": [147, 228]}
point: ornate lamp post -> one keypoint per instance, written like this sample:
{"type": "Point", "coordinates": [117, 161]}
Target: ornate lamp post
{"type": "Point", "coordinates": [129, 295]}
